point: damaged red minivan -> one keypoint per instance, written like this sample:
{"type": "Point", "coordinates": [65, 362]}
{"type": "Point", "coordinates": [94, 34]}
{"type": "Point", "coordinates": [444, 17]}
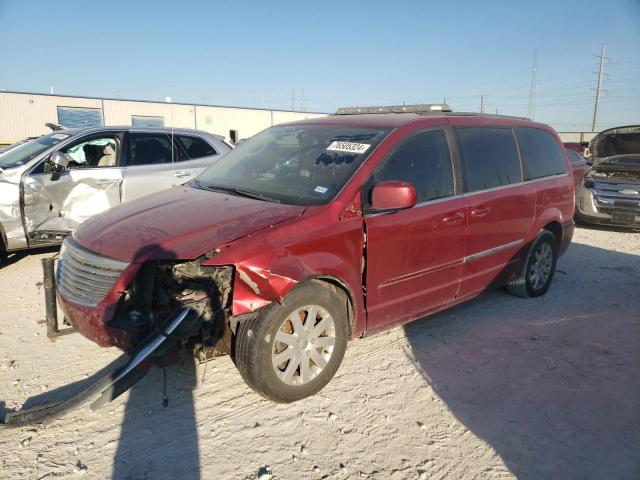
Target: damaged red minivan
{"type": "Point", "coordinates": [316, 232]}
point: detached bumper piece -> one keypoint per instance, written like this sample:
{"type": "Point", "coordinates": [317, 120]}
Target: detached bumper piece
{"type": "Point", "coordinates": [119, 376]}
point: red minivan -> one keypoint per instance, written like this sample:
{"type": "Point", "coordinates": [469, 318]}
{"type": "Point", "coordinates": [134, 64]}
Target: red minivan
{"type": "Point", "coordinates": [316, 232]}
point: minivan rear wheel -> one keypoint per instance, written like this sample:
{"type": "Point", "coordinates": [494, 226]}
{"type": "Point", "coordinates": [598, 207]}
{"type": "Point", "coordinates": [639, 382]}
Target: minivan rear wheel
{"type": "Point", "coordinates": [538, 269]}
{"type": "Point", "coordinates": [292, 349]}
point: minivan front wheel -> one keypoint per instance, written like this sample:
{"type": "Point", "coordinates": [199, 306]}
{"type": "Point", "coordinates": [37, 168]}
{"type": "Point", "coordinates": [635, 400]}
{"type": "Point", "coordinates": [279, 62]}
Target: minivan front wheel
{"type": "Point", "coordinates": [291, 350]}
{"type": "Point", "coordinates": [538, 269]}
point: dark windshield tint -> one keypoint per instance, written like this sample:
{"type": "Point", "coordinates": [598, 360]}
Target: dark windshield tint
{"type": "Point", "coordinates": [490, 158]}
{"type": "Point", "coordinates": [301, 165]}
{"type": "Point", "coordinates": [195, 147]}
{"type": "Point", "coordinates": [541, 153]}
{"type": "Point", "coordinates": [424, 161]}
{"type": "Point", "coordinates": [26, 152]}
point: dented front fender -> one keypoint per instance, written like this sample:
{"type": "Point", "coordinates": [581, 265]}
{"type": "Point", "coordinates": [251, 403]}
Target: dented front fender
{"type": "Point", "coordinates": [255, 287]}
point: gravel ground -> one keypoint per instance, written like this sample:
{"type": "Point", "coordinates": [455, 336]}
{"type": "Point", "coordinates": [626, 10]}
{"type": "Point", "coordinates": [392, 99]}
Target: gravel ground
{"type": "Point", "coordinates": [500, 387]}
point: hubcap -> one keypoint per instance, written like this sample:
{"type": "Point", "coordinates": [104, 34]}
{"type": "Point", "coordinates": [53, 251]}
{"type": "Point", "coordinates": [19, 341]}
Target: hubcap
{"type": "Point", "coordinates": [303, 345]}
{"type": "Point", "coordinates": [541, 265]}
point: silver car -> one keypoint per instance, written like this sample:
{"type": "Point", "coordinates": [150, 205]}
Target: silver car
{"type": "Point", "coordinates": [609, 193]}
{"type": "Point", "coordinates": [51, 184]}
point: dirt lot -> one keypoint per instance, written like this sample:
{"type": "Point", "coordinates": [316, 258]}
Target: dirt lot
{"type": "Point", "coordinates": [498, 388]}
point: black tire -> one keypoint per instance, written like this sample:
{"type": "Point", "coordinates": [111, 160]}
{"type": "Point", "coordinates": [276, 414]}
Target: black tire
{"type": "Point", "coordinates": [525, 284]}
{"type": "Point", "coordinates": [255, 343]}
{"type": "Point", "coordinates": [3, 254]}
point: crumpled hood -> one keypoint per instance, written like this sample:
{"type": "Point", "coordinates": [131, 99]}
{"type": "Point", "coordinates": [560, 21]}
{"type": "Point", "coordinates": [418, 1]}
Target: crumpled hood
{"type": "Point", "coordinates": [181, 223]}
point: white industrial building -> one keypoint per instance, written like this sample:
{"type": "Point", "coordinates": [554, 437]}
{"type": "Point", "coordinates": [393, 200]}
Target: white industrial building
{"type": "Point", "coordinates": [24, 114]}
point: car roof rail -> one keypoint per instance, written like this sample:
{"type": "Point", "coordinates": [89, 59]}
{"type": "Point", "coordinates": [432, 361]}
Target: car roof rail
{"type": "Point", "coordinates": [420, 109]}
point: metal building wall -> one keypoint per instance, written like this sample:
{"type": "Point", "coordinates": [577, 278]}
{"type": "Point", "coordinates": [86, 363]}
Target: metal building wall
{"type": "Point", "coordinates": [25, 114]}
{"type": "Point", "coordinates": [119, 112]}
{"type": "Point", "coordinates": [576, 137]}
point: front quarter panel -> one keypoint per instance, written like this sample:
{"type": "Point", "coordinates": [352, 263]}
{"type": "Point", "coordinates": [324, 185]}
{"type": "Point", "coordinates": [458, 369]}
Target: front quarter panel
{"type": "Point", "coordinates": [270, 264]}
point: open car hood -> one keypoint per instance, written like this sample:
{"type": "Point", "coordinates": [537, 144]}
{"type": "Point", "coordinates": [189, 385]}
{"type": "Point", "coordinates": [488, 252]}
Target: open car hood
{"type": "Point", "coordinates": [616, 142]}
{"type": "Point", "coordinates": [181, 223]}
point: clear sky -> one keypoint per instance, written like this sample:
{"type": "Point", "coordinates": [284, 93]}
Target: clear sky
{"type": "Point", "coordinates": [340, 53]}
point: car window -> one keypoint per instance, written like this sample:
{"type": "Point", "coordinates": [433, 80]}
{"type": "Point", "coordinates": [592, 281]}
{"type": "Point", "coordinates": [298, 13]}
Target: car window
{"type": "Point", "coordinates": [574, 156]}
{"type": "Point", "coordinates": [424, 161]}
{"type": "Point", "coordinates": [27, 151]}
{"type": "Point", "coordinates": [296, 164]}
{"type": "Point", "coordinates": [195, 147]}
{"type": "Point", "coordinates": [490, 158]}
{"type": "Point", "coordinates": [95, 152]}
{"type": "Point", "coordinates": [541, 153]}
{"type": "Point", "coordinates": [150, 149]}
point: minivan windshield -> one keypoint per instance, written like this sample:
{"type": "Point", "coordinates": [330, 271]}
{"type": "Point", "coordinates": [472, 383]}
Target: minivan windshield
{"type": "Point", "coordinates": [21, 154]}
{"type": "Point", "coordinates": [295, 164]}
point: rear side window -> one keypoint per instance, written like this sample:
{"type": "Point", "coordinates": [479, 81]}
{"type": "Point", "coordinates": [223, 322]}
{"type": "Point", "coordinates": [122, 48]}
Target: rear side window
{"type": "Point", "coordinates": [490, 158]}
{"type": "Point", "coordinates": [195, 147]}
{"type": "Point", "coordinates": [424, 161]}
{"type": "Point", "coordinates": [574, 156]}
{"type": "Point", "coordinates": [149, 149]}
{"type": "Point", "coordinates": [541, 153]}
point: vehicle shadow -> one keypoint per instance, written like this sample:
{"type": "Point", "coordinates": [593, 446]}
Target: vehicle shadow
{"type": "Point", "coordinates": [19, 255]}
{"type": "Point", "coordinates": [150, 431]}
{"type": "Point", "coordinates": [551, 383]}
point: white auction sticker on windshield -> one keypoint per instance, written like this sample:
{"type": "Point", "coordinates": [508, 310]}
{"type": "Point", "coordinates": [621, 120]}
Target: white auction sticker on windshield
{"type": "Point", "coordinates": [59, 136]}
{"type": "Point", "coordinates": [320, 189]}
{"type": "Point", "coordinates": [348, 147]}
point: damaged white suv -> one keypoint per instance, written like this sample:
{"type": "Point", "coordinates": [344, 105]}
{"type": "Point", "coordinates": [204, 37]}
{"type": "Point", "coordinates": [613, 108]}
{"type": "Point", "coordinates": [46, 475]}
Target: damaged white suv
{"type": "Point", "coordinates": [51, 184]}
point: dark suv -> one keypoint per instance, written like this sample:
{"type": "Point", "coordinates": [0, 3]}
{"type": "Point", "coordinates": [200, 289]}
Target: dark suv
{"type": "Point", "coordinates": [313, 233]}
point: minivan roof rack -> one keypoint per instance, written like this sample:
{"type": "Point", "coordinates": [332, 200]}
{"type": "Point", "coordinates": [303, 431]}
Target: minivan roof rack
{"type": "Point", "coordinates": [419, 109]}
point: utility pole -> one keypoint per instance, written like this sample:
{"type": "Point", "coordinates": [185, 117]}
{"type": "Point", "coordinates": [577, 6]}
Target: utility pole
{"type": "Point", "coordinates": [302, 102]}
{"type": "Point", "coordinates": [598, 88]}
{"type": "Point", "coordinates": [481, 103]}
{"type": "Point", "coordinates": [534, 87]}
{"type": "Point", "coordinates": [293, 101]}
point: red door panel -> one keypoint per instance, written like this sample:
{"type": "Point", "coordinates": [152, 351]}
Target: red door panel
{"type": "Point", "coordinates": [499, 221]}
{"type": "Point", "coordinates": [414, 260]}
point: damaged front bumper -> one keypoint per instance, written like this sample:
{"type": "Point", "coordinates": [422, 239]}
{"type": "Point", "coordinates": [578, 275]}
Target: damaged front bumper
{"type": "Point", "coordinates": [609, 204]}
{"type": "Point", "coordinates": [118, 377]}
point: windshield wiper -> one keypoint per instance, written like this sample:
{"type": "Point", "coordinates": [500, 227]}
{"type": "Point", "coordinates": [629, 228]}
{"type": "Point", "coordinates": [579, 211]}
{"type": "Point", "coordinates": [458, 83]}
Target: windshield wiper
{"type": "Point", "coordinates": [237, 191]}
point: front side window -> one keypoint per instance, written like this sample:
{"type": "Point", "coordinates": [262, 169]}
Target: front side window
{"type": "Point", "coordinates": [541, 153]}
{"type": "Point", "coordinates": [489, 157]}
{"type": "Point", "coordinates": [194, 147]}
{"type": "Point", "coordinates": [76, 117]}
{"type": "Point", "coordinates": [27, 151]}
{"type": "Point", "coordinates": [92, 153]}
{"type": "Point", "coordinates": [425, 162]}
{"type": "Point", "coordinates": [150, 149]}
{"type": "Point", "coordinates": [301, 165]}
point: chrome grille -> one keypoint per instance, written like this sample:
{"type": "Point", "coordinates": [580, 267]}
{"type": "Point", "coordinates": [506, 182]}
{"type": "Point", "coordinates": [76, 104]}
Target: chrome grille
{"type": "Point", "coordinates": [84, 277]}
{"type": "Point", "coordinates": [625, 195]}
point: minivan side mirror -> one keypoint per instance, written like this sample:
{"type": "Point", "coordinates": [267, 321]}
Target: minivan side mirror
{"type": "Point", "coordinates": [393, 195]}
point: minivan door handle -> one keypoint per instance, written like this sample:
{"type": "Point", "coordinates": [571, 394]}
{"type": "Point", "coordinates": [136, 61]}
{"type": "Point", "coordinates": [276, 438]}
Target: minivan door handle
{"type": "Point", "coordinates": [480, 211]}
{"type": "Point", "coordinates": [456, 217]}
{"type": "Point", "coordinates": [181, 174]}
